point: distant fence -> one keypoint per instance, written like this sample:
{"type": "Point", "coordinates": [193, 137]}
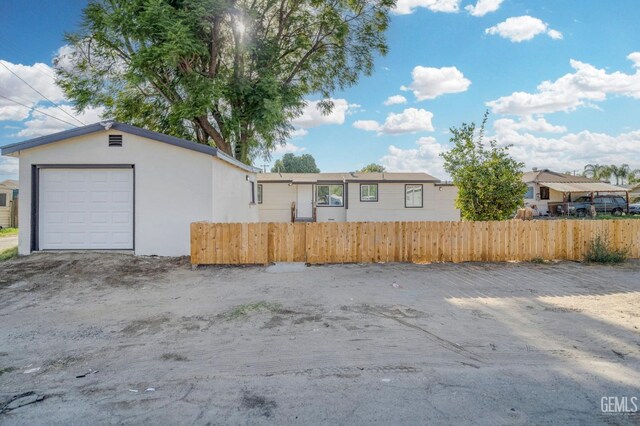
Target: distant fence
{"type": "Point", "coordinates": [418, 242]}
{"type": "Point", "coordinates": [13, 213]}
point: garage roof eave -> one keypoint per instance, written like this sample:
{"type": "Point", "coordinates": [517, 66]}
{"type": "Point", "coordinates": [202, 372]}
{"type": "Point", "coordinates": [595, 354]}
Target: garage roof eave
{"type": "Point", "coordinates": [224, 157]}
{"type": "Point", "coordinates": [14, 149]}
{"type": "Point", "coordinates": [104, 126]}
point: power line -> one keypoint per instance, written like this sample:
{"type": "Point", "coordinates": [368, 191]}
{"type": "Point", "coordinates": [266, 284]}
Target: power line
{"type": "Point", "coordinates": [38, 92]}
{"type": "Point", "coordinates": [37, 110]}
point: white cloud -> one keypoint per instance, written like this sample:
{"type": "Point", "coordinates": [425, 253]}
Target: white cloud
{"type": "Point", "coordinates": [8, 166]}
{"type": "Point", "coordinates": [39, 124]}
{"type": "Point", "coordinates": [313, 117]}
{"type": "Point", "coordinates": [424, 158]}
{"type": "Point", "coordinates": [298, 133]}
{"type": "Point", "coordinates": [586, 85]}
{"type": "Point", "coordinates": [555, 34]}
{"type": "Point", "coordinates": [635, 58]}
{"type": "Point", "coordinates": [287, 148]}
{"type": "Point", "coordinates": [571, 151]}
{"type": "Point", "coordinates": [429, 83]}
{"type": "Point", "coordinates": [539, 125]}
{"type": "Point", "coordinates": [395, 100]}
{"type": "Point", "coordinates": [405, 7]}
{"type": "Point", "coordinates": [411, 120]}
{"type": "Point", "coordinates": [368, 125]}
{"type": "Point", "coordinates": [522, 28]}
{"type": "Point", "coordinates": [483, 7]}
{"type": "Point", "coordinates": [38, 75]}
{"type": "Point", "coordinates": [567, 152]}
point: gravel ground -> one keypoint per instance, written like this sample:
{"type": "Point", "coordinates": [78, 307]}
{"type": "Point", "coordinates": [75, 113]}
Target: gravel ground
{"type": "Point", "coordinates": [117, 339]}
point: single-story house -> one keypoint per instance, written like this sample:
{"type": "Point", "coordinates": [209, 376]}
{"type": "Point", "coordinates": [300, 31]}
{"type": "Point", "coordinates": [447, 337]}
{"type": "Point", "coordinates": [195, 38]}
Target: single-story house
{"type": "Point", "coordinates": [355, 197]}
{"type": "Point", "coordinates": [634, 192]}
{"type": "Point", "coordinates": [546, 189]}
{"type": "Point", "coordinates": [113, 186]}
{"type": "Point", "coordinates": [8, 193]}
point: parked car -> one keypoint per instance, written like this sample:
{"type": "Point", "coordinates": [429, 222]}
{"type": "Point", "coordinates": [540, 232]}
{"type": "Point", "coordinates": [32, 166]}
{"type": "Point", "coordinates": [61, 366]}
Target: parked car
{"type": "Point", "coordinates": [612, 204]}
{"type": "Point", "coordinates": [634, 208]}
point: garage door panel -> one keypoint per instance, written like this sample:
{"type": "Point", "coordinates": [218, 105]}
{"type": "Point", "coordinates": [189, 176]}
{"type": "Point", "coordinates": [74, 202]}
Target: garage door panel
{"type": "Point", "coordinates": [86, 209]}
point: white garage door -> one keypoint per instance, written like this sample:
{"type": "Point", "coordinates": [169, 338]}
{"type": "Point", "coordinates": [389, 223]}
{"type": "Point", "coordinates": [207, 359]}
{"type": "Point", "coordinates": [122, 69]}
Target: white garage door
{"type": "Point", "coordinates": [86, 209]}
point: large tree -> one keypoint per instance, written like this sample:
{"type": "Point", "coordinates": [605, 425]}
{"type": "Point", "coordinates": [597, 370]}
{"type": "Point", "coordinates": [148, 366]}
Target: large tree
{"type": "Point", "coordinates": [229, 73]}
{"type": "Point", "coordinates": [489, 181]}
{"type": "Point", "coordinates": [372, 168]}
{"type": "Point", "coordinates": [290, 163]}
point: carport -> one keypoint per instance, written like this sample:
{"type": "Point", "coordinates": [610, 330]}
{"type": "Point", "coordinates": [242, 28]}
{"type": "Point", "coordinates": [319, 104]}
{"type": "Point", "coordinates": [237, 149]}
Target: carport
{"type": "Point", "coordinates": [592, 188]}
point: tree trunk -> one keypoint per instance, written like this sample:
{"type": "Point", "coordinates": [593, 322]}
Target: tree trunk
{"type": "Point", "coordinates": [221, 144]}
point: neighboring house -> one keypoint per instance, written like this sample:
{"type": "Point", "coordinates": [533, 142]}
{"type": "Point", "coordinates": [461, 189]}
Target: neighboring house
{"type": "Point", "coordinates": [547, 189]}
{"type": "Point", "coordinates": [8, 191]}
{"type": "Point", "coordinates": [634, 192]}
{"type": "Point", "coordinates": [355, 197]}
{"type": "Point", "coordinates": [113, 186]}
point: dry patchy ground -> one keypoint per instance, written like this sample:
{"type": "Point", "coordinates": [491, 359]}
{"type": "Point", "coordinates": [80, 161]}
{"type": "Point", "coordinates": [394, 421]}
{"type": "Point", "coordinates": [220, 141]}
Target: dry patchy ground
{"type": "Point", "coordinates": [112, 338]}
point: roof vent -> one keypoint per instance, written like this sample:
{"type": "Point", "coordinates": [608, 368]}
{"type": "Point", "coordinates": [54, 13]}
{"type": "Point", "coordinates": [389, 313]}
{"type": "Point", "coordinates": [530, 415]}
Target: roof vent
{"type": "Point", "coordinates": [115, 140]}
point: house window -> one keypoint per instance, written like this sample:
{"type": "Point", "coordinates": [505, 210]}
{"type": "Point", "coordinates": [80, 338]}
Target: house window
{"type": "Point", "coordinates": [330, 195]}
{"type": "Point", "coordinates": [529, 194]}
{"type": "Point", "coordinates": [3, 200]}
{"type": "Point", "coordinates": [544, 193]}
{"type": "Point", "coordinates": [253, 192]}
{"type": "Point", "coordinates": [413, 196]}
{"type": "Point", "coordinates": [369, 192]}
{"type": "Point", "coordinates": [259, 193]}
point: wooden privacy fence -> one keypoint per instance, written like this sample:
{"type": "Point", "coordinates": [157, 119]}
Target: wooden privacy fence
{"type": "Point", "coordinates": [418, 242]}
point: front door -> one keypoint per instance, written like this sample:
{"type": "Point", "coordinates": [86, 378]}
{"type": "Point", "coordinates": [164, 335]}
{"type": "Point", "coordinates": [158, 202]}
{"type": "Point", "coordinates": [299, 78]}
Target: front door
{"type": "Point", "coordinates": [304, 203]}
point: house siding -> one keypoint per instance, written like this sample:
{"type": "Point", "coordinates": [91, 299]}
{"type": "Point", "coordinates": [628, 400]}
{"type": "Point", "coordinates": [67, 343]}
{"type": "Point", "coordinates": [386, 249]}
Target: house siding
{"type": "Point", "coordinates": [5, 212]}
{"type": "Point", "coordinates": [438, 205]}
{"type": "Point", "coordinates": [276, 202]}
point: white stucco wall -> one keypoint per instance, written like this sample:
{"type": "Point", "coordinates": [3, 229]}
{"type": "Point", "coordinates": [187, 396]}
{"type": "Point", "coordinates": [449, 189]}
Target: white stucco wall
{"type": "Point", "coordinates": [231, 201]}
{"type": "Point", "coordinates": [276, 202]}
{"type": "Point", "coordinates": [331, 214]}
{"type": "Point", "coordinates": [173, 187]}
{"type": "Point", "coordinates": [390, 207]}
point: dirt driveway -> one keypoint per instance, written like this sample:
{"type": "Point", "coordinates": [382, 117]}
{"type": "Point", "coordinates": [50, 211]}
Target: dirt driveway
{"type": "Point", "coordinates": [158, 343]}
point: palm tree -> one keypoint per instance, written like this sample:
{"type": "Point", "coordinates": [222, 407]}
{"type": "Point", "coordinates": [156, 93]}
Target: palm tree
{"type": "Point", "coordinates": [591, 170]}
{"type": "Point", "coordinates": [597, 171]}
{"type": "Point", "coordinates": [634, 176]}
{"type": "Point", "coordinates": [620, 173]}
{"type": "Point", "coordinates": [624, 171]}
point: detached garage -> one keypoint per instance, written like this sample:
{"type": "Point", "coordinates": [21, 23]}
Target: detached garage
{"type": "Point", "coordinates": [112, 186]}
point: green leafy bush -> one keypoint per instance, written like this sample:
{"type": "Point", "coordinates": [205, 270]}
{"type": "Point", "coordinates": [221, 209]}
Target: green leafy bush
{"type": "Point", "coordinates": [600, 251]}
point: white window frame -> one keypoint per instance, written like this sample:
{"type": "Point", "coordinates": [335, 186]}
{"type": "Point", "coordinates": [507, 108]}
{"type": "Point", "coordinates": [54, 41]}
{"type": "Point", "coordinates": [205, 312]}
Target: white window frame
{"type": "Point", "coordinates": [260, 190]}
{"type": "Point", "coordinates": [368, 187]}
{"type": "Point", "coordinates": [329, 185]}
{"type": "Point", "coordinates": [406, 203]}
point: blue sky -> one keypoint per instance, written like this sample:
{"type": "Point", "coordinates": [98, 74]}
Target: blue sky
{"type": "Point", "coordinates": [561, 80]}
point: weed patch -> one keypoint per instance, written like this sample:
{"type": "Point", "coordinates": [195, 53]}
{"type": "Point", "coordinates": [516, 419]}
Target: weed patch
{"type": "Point", "coordinates": [8, 254]}
{"type": "Point", "coordinates": [600, 251]}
